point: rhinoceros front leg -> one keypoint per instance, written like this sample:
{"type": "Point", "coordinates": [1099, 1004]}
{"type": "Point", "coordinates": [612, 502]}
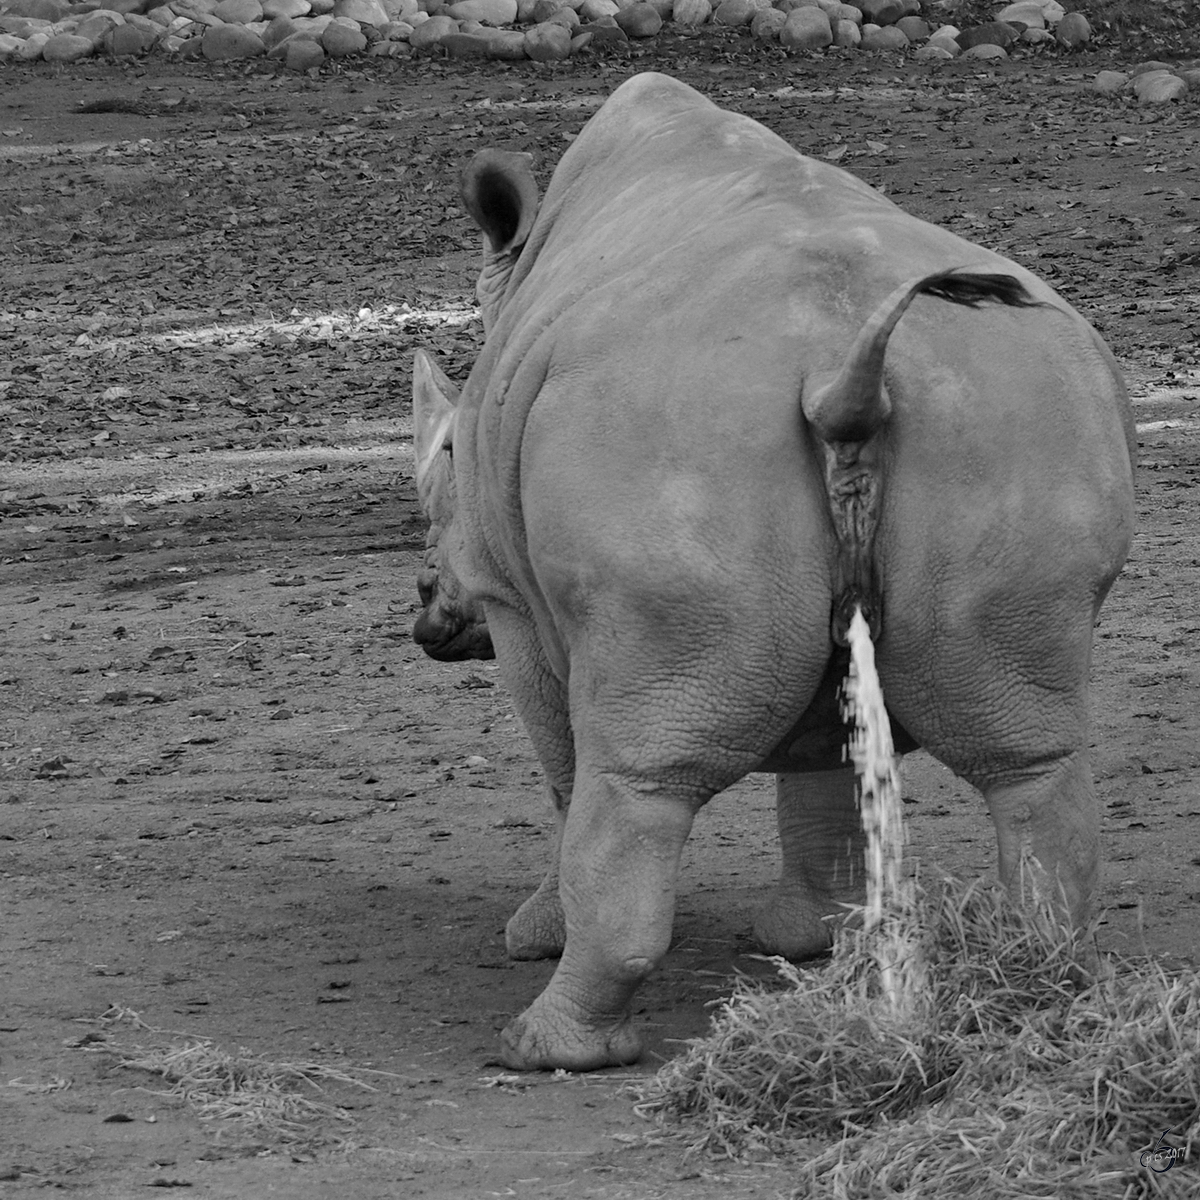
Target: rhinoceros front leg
{"type": "Point", "coordinates": [821, 837]}
{"type": "Point", "coordinates": [620, 859]}
{"type": "Point", "coordinates": [537, 929]}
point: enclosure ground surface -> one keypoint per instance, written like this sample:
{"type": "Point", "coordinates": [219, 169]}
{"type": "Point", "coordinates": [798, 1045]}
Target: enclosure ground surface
{"type": "Point", "coordinates": [235, 799]}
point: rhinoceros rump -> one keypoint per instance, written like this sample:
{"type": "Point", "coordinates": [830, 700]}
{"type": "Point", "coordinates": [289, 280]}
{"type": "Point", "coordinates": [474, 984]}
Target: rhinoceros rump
{"type": "Point", "coordinates": [725, 390]}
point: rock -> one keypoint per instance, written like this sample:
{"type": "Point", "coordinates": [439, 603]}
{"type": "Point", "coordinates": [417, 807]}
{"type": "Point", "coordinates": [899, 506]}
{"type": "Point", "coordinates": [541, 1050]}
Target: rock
{"type": "Point", "coordinates": [162, 15]}
{"type": "Point", "coordinates": [985, 50]}
{"type": "Point", "coordinates": [847, 12]}
{"type": "Point", "coordinates": [507, 45]}
{"type": "Point", "coordinates": [224, 42]}
{"type": "Point", "coordinates": [124, 7]}
{"type": "Point", "coordinates": [31, 48]}
{"type": "Point", "coordinates": [913, 28]}
{"type": "Point", "coordinates": [340, 41]}
{"type": "Point", "coordinates": [396, 31]}
{"type": "Point", "coordinates": [937, 50]}
{"type": "Point", "coordinates": [994, 33]}
{"type": "Point", "coordinates": [429, 33]}
{"type": "Point", "coordinates": [1157, 87]}
{"type": "Point", "coordinates": [886, 37]}
{"type": "Point", "coordinates": [881, 12]}
{"type": "Point", "coordinates": [541, 10]}
{"type": "Point", "coordinates": [593, 10]}
{"type": "Point", "coordinates": [1109, 83]}
{"type": "Point", "coordinates": [733, 12]}
{"type": "Point", "coordinates": [1190, 76]}
{"type": "Point", "coordinates": [605, 34]}
{"type": "Point", "coordinates": [318, 8]}
{"type": "Point", "coordinates": [95, 26]}
{"type": "Point", "coordinates": [23, 27]}
{"type": "Point", "coordinates": [303, 54]}
{"type": "Point", "coordinates": [640, 20]}
{"type": "Point", "coordinates": [1152, 64]}
{"type": "Point", "coordinates": [568, 18]}
{"type": "Point", "coordinates": [1027, 12]}
{"type": "Point", "coordinates": [766, 24]}
{"type": "Point", "coordinates": [285, 8]}
{"type": "Point", "coordinates": [547, 42]}
{"type": "Point", "coordinates": [239, 12]}
{"type": "Point", "coordinates": [847, 34]}
{"type": "Point", "coordinates": [1031, 37]}
{"type": "Point", "coordinates": [66, 47]}
{"type": "Point", "coordinates": [44, 10]}
{"type": "Point", "coordinates": [400, 10]}
{"type": "Point", "coordinates": [467, 45]}
{"type": "Point", "coordinates": [277, 31]}
{"type": "Point", "coordinates": [125, 40]}
{"type": "Point", "coordinates": [362, 12]}
{"type": "Point", "coordinates": [486, 12]}
{"type": "Point", "coordinates": [806, 29]}
{"type": "Point", "coordinates": [1073, 31]}
{"type": "Point", "coordinates": [691, 13]}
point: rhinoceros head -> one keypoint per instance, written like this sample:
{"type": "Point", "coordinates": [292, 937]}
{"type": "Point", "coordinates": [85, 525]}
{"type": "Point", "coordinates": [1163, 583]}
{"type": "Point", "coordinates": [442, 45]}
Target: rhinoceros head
{"type": "Point", "coordinates": [452, 625]}
{"type": "Point", "coordinates": [499, 192]}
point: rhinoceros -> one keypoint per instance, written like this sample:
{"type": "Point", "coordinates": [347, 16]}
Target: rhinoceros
{"type": "Point", "coordinates": [728, 394]}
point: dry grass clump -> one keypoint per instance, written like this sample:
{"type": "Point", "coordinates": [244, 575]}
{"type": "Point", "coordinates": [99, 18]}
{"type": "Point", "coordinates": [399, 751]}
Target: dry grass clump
{"type": "Point", "coordinates": [1015, 1072]}
{"type": "Point", "coordinates": [278, 1100]}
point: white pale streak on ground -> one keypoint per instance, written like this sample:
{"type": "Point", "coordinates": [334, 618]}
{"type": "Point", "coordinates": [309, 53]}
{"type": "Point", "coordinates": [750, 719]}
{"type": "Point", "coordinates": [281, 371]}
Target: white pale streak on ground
{"type": "Point", "coordinates": [889, 893]}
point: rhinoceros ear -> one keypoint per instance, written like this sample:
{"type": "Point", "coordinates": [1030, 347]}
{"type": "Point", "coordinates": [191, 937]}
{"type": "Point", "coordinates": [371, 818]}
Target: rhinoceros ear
{"type": "Point", "coordinates": [500, 193]}
{"type": "Point", "coordinates": [434, 398]}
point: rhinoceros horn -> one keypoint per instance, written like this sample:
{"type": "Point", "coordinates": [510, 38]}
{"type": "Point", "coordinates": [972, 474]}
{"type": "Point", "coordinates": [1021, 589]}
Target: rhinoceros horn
{"type": "Point", "coordinates": [852, 405]}
{"type": "Point", "coordinates": [499, 191]}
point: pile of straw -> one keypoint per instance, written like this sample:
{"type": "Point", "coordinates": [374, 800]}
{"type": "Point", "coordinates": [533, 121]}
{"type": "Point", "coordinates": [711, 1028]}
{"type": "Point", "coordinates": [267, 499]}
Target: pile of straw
{"type": "Point", "coordinates": [1017, 1072]}
{"type": "Point", "coordinates": [281, 1101]}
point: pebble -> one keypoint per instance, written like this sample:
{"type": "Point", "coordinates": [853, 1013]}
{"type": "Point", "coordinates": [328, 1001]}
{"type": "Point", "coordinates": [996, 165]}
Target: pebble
{"type": "Point", "coordinates": [300, 32]}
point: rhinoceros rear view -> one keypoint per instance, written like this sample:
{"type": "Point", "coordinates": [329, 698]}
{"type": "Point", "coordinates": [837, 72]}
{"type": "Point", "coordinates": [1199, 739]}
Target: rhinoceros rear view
{"type": "Point", "coordinates": [727, 393]}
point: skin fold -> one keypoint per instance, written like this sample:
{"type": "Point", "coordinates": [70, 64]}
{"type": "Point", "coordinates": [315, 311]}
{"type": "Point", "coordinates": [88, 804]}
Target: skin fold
{"type": "Point", "coordinates": [632, 506]}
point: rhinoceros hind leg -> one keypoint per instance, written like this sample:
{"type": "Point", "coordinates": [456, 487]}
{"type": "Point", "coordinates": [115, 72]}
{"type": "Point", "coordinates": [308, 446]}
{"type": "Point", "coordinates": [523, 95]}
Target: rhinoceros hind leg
{"type": "Point", "coordinates": [821, 838]}
{"type": "Point", "coordinates": [538, 928]}
{"type": "Point", "coordinates": [796, 924]}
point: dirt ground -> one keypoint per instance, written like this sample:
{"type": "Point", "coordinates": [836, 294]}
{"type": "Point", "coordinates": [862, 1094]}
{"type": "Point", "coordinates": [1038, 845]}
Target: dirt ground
{"type": "Point", "coordinates": [235, 799]}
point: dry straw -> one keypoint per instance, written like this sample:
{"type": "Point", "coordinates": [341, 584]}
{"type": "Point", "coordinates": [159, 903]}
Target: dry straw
{"type": "Point", "coordinates": [1022, 1074]}
{"type": "Point", "coordinates": [281, 1101]}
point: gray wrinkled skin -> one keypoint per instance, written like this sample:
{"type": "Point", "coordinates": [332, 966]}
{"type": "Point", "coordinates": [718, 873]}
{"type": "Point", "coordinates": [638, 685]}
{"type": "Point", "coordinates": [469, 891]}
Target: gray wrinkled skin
{"type": "Point", "coordinates": [629, 492]}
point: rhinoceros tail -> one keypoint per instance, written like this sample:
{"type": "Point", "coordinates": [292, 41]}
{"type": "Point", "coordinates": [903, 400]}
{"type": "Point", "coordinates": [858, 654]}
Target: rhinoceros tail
{"type": "Point", "coordinates": [852, 404]}
{"type": "Point", "coordinates": [847, 407]}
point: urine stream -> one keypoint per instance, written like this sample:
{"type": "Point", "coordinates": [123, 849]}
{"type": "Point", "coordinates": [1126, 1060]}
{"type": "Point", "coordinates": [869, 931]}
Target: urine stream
{"type": "Point", "coordinates": [888, 918]}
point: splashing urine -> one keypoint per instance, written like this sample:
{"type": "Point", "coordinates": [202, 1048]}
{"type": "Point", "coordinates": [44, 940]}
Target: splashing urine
{"type": "Point", "coordinates": [889, 923]}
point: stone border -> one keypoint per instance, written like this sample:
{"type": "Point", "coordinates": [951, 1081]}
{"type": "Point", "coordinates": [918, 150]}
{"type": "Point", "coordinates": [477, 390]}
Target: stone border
{"type": "Point", "coordinates": [302, 34]}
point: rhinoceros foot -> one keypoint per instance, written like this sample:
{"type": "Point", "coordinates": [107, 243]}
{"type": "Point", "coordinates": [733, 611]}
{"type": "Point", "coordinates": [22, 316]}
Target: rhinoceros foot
{"type": "Point", "coordinates": [548, 1037]}
{"type": "Point", "coordinates": [538, 928]}
{"type": "Point", "coordinates": [798, 924]}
